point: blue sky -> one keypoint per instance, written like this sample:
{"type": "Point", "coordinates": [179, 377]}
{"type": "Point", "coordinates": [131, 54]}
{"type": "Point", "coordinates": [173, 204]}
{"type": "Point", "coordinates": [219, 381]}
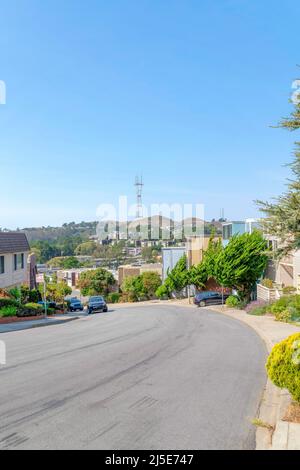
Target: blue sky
{"type": "Point", "coordinates": [183, 92]}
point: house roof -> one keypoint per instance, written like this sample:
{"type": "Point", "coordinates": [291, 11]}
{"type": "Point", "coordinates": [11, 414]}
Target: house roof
{"type": "Point", "coordinates": [13, 242]}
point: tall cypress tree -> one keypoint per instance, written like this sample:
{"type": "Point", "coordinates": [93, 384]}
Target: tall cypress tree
{"type": "Point", "coordinates": [282, 217]}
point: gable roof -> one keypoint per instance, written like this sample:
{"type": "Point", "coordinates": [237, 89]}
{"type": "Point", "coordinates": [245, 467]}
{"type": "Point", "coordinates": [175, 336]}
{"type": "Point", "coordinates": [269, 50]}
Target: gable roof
{"type": "Point", "coordinates": [13, 242]}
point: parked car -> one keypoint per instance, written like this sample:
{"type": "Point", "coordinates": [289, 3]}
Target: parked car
{"type": "Point", "coordinates": [209, 298]}
{"type": "Point", "coordinates": [97, 304]}
{"type": "Point", "coordinates": [50, 303]}
{"type": "Point", "coordinates": [75, 305]}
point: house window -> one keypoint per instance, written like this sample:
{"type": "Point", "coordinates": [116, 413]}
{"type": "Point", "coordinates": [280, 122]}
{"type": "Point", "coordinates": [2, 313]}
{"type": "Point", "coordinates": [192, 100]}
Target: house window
{"type": "Point", "coordinates": [2, 265]}
{"type": "Point", "coordinates": [227, 231]}
{"type": "Point", "coordinates": [19, 261]}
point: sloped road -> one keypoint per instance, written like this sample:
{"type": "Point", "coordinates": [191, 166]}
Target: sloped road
{"type": "Point", "coordinates": [148, 377]}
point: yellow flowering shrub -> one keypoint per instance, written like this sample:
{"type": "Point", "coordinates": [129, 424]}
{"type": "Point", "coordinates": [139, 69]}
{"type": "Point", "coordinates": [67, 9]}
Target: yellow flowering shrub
{"type": "Point", "coordinates": [283, 365]}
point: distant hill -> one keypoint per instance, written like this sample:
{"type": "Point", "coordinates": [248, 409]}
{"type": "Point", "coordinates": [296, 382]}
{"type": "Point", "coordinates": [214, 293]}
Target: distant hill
{"type": "Point", "coordinates": [89, 229]}
{"type": "Point", "coordinates": [83, 229]}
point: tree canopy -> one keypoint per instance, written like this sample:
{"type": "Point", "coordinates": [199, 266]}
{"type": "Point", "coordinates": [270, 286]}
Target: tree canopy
{"type": "Point", "coordinates": [282, 216]}
{"type": "Point", "coordinates": [242, 262]}
{"type": "Point", "coordinates": [143, 286]}
{"type": "Point", "coordinates": [96, 282]}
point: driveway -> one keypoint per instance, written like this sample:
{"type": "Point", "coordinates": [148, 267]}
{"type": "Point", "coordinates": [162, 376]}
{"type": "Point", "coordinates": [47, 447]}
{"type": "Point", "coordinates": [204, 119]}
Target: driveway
{"type": "Point", "coordinates": [148, 377]}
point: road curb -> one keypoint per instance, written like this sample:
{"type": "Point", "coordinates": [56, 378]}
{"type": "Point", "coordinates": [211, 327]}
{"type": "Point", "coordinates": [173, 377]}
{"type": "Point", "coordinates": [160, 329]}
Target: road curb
{"type": "Point", "coordinates": [41, 325]}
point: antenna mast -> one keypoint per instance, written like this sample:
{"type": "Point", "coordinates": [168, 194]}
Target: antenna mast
{"type": "Point", "coordinates": [139, 189]}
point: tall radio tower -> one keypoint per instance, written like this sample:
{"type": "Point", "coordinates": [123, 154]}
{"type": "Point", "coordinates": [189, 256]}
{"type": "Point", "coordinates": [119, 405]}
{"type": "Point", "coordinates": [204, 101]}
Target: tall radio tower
{"type": "Point", "coordinates": [139, 189]}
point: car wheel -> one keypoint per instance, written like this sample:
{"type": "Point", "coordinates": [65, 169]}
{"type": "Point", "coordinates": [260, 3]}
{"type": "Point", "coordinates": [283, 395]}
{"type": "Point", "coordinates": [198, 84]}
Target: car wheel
{"type": "Point", "coordinates": [105, 310]}
{"type": "Point", "coordinates": [202, 303]}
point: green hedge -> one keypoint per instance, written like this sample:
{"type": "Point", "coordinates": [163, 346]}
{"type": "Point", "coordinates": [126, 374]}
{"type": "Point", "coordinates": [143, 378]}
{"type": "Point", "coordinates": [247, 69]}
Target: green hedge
{"type": "Point", "coordinates": [6, 302]}
{"type": "Point", "coordinates": [283, 365]}
{"type": "Point", "coordinates": [113, 297]}
{"type": "Point", "coordinates": [30, 310]}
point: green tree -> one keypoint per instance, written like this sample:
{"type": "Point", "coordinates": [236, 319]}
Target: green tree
{"type": "Point", "coordinates": [282, 217]}
{"type": "Point", "coordinates": [149, 254]}
{"type": "Point", "coordinates": [56, 291]}
{"type": "Point", "coordinates": [133, 287]}
{"type": "Point", "coordinates": [242, 262]}
{"type": "Point", "coordinates": [68, 262]}
{"type": "Point", "coordinates": [177, 279]}
{"type": "Point", "coordinates": [199, 274]}
{"type": "Point", "coordinates": [86, 248]}
{"type": "Point", "coordinates": [29, 296]}
{"type": "Point", "coordinates": [151, 282]}
{"type": "Point", "coordinates": [96, 282]}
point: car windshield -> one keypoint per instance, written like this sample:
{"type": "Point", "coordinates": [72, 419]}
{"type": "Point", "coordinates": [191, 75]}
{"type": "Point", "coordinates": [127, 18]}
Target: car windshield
{"type": "Point", "coordinates": [96, 299]}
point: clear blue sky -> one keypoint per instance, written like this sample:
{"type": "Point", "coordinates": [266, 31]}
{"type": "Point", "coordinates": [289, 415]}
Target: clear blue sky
{"type": "Point", "coordinates": [183, 92]}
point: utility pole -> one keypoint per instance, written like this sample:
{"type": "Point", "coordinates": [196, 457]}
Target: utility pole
{"type": "Point", "coordinates": [188, 268]}
{"type": "Point", "coordinates": [45, 298]}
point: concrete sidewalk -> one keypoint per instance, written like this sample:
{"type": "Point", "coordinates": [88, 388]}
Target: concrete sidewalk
{"type": "Point", "coordinates": [25, 325]}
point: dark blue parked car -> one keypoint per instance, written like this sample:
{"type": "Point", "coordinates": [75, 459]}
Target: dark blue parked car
{"type": "Point", "coordinates": [209, 298]}
{"type": "Point", "coordinates": [75, 305]}
{"type": "Point", "coordinates": [97, 304]}
{"type": "Point", "coordinates": [50, 304]}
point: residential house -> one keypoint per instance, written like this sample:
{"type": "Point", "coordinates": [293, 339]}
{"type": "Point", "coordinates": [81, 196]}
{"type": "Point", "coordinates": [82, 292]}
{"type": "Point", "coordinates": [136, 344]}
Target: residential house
{"type": "Point", "coordinates": [238, 227]}
{"type": "Point", "coordinates": [170, 257]}
{"type": "Point", "coordinates": [284, 271]}
{"type": "Point", "coordinates": [15, 263]}
{"type": "Point", "coordinates": [195, 247]}
{"type": "Point", "coordinates": [136, 270]}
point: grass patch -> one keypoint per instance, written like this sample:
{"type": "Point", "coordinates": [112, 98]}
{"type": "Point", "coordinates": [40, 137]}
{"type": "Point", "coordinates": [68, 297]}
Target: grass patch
{"type": "Point", "coordinates": [262, 424]}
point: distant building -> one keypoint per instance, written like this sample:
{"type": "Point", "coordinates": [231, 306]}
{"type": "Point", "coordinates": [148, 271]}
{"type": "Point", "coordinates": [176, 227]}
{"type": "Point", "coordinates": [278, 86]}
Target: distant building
{"type": "Point", "coordinates": [195, 247]}
{"type": "Point", "coordinates": [238, 228]}
{"type": "Point", "coordinates": [170, 257]}
{"type": "Point", "coordinates": [284, 271]}
{"type": "Point", "coordinates": [71, 276]}
{"type": "Point", "coordinates": [16, 266]}
{"type": "Point", "coordinates": [132, 270]}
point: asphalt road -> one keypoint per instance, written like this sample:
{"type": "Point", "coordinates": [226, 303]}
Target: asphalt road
{"type": "Point", "coordinates": [154, 377]}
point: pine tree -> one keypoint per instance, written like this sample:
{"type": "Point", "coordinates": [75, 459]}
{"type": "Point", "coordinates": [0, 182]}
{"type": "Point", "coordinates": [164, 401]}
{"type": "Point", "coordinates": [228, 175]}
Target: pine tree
{"type": "Point", "coordinates": [283, 215]}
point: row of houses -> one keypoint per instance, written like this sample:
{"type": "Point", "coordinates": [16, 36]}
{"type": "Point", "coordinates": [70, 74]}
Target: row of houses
{"type": "Point", "coordinates": [283, 272]}
{"type": "Point", "coordinates": [18, 265]}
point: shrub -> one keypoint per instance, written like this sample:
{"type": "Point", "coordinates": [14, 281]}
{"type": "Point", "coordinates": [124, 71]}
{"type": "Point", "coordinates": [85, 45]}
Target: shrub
{"type": "Point", "coordinates": [162, 292]}
{"type": "Point", "coordinates": [267, 283]}
{"type": "Point", "coordinates": [232, 301]}
{"type": "Point", "coordinates": [30, 310]}
{"type": "Point", "coordinates": [258, 311]}
{"type": "Point", "coordinates": [280, 305]}
{"type": "Point", "coordinates": [287, 290]}
{"type": "Point", "coordinates": [8, 311]}
{"type": "Point", "coordinates": [283, 315]}
{"type": "Point", "coordinates": [34, 306]}
{"type": "Point", "coordinates": [15, 292]}
{"type": "Point", "coordinates": [283, 365]}
{"type": "Point", "coordinates": [113, 297]}
{"type": "Point", "coordinates": [8, 302]}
